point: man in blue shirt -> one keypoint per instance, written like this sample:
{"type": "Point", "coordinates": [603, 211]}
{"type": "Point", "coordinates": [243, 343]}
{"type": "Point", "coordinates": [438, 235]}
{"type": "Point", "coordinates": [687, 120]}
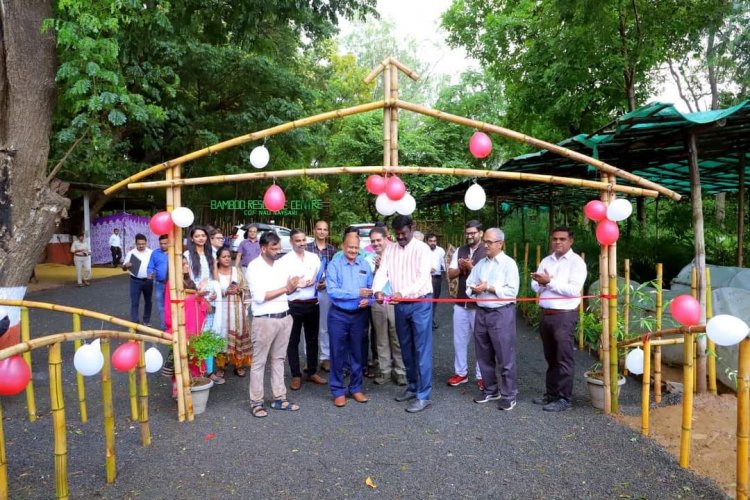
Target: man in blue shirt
{"type": "Point", "coordinates": [158, 270]}
{"type": "Point", "coordinates": [349, 285]}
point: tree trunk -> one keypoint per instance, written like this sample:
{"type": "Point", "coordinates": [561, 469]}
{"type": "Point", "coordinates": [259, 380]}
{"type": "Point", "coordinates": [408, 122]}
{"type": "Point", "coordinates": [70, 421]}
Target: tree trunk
{"type": "Point", "coordinates": [29, 206]}
{"type": "Point", "coordinates": [721, 208]}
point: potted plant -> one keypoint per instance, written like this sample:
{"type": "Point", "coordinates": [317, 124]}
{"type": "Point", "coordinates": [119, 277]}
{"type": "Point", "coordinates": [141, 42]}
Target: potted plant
{"type": "Point", "coordinates": [595, 382]}
{"type": "Point", "coordinates": [201, 347]}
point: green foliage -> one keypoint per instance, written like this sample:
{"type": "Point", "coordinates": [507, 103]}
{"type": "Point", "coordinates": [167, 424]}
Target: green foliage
{"type": "Point", "coordinates": [205, 345]}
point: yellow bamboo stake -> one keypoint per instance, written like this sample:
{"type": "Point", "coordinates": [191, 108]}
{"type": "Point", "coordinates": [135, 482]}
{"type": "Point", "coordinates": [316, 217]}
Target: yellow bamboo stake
{"type": "Point", "coordinates": [394, 113]}
{"type": "Point", "coordinates": [743, 418]}
{"type": "Point", "coordinates": [143, 396]}
{"type": "Point", "coordinates": [710, 344]}
{"type": "Point", "coordinates": [538, 255]}
{"type": "Point", "coordinates": [58, 420]}
{"type": "Point", "coordinates": [387, 118]}
{"type": "Point", "coordinates": [604, 338]}
{"type": "Point", "coordinates": [79, 378]}
{"type": "Point", "coordinates": [515, 251]}
{"type": "Point", "coordinates": [657, 349]}
{"type": "Point", "coordinates": [652, 342]}
{"type": "Point", "coordinates": [3, 459]}
{"type": "Point", "coordinates": [580, 316]}
{"type": "Point", "coordinates": [626, 300]}
{"type": "Point", "coordinates": [646, 387]}
{"type": "Point", "coordinates": [25, 337]}
{"type": "Point", "coordinates": [526, 258]}
{"type": "Point", "coordinates": [133, 394]}
{"type": "Point", "coordinates": [108, 410]}
{"type": "Point", "coordinates": [613, 355]}
{"type": "Point", "coordinates": [687, 402]}
{"type": "Point", "coordinates": [694, 293]}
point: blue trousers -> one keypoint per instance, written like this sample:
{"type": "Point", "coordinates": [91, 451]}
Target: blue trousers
{"type": "Point", "coordinates": [159, 299]}
{"type": "Point", "coordinates": [138, 287]}
{"type": "Point", "coordinates": [346, 331]}
{"type": "Point", "coordinates": [414, 329]}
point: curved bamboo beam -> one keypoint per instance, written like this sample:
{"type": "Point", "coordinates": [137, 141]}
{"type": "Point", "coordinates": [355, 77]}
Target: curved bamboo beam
{"type": "Point", "coordinates": [564, 152]}
{"type": "Point", "coordinates": [237, 141]}
{"type": "Point", "coordinates": [70, 336]}
{"type": "Point", "coordinates": [458, 172]}
{"type": "Point", "coordinates": [680, 330]}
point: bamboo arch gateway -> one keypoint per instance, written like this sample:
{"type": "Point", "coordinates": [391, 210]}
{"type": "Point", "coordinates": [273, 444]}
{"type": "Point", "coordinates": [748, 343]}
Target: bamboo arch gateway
{"type": "Point", "coordinates": [391, 105]}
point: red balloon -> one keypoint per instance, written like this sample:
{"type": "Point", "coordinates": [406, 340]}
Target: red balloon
{"type": "Point", "coordinates": [375, 184]}
{"type": "Point", "coordinates": [607, 232]}
{"type": "Point", "coordinates": [125, 357]}
{"type": "Point", "coordinates": [14, 375]}
{"type": "Point", "coordinates": [480, 145]}
{"type": "Point", "coordinates": [274, 199]}
{"type": "Point", "coordinates": [395, 188]}
{"type": "Point", "coordinates": [161, 223]}
{"type": "Point", "coordinates": [686, 310]}
{"type": "Point", "coordinates": [595, 210]}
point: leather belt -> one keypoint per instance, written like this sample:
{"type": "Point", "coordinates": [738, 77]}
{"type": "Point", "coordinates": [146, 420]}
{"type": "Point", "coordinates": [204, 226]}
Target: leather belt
{"type": "Point", "coordinates": [550, 312]}
{"type": "Point", "coordinates": [272, 315]}
{"type": "Point", "coordinates": [139, 279]}
{"type": "Point", "coordinates": [310, 301]}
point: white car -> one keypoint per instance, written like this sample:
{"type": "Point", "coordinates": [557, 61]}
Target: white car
{"type": "Point", "coordinates": [283, 232]}
{"type": "Point", "coordinates": [364, 233]}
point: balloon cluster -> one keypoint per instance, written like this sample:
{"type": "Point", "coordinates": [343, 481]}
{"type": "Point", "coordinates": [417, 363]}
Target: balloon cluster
{"type": "Point", "coordinates": [163, 222]}
{"type": "Point", "coordinates": [607, 217]}
{"type": "Point", "coordinates": [88, 359]}
{"type": "Point", "coordinates": [480, 146]}
{"type": "Point", "coordinates": [391, 195]}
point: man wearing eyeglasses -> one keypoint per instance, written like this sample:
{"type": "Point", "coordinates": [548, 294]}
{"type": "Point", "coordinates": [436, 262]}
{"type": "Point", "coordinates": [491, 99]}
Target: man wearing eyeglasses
{"type": "Point", "coordinates": [217, 241]}
{"type": "Point", "coordinates": [495, 277]}
{"type": "Point", "coordinates": [463, 260]}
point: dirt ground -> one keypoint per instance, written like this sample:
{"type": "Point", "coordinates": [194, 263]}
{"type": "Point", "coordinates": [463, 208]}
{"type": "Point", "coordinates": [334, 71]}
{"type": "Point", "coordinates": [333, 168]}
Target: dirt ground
{"type": "Point", "coordinates": [714, 447]}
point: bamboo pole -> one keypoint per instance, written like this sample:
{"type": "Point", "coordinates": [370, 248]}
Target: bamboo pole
{"type": "Point", "coordinates": [407, 71]}
{"type": "Point", "coordinates": [687, 401]}
{"type": "Point", "coordinates": [143, 396]}
{"type": "Point", "coordinates": [743, 418]}
{"type": "Point", "coordinates": [710, 344]}
{"type": "Point", "coordinates": [70, 336]}
{"type": "Point", "coordinates": [133, 395]}
{"type": "Point", "coordinates": [79, 378]}
{"type": "Point", "coordinates": [394, 113]}
{"type": "Point", "coordinates": [581, 311]}
{"type": "Point", "coordinates": [538, 255]}
{"type": "Point", "coordinates": [25, 337]}
{"type": "Point", "coordinates": [59, 429]}
{"type": "Point", "coordinates": [604, 338]}
{"type": "Point", "coordinates": [646, 386]}
{"type": "Point", "coordinates": [238, 141]}
{"type": "Point", "coordinates": [613, 354]}
{"type": "Point", "coordinates": [526, 258]}
{"type": "Point", "coordinates": [3, 459]}
{"type": "Point", "coordinates": [657, 349]}
{"type": "Point", "coordinates": [564, 152]}
{"type": "Point", "coordinates": [393, 169]}
{"type": "Point", "coordinates": [386, 118]}
{"type": "Point", "coordinates": [515, 251]}
{"type": "Point", "coordinates": [694, 293]}
{"type": "Point", "coordinates": [652, 342]}
{"type": "Point", "coordinates": [626, 300]}
{"type": "Point", "coordinates": [108, 411]}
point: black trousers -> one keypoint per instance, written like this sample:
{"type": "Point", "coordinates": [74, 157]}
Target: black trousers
{"type": "Point", "coordinates": [116, 255]}
{"type": "Point", "coordinates": [557, 332]}
{"type": "Point", "coordinates": [307, 315]}
{"type": "Point", "coordinates": [437, 285]}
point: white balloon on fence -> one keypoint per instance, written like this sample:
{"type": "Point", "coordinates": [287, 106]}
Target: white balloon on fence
{"type": "Point", "coordinates": [384, 205]}
{"type": "Point", "coordinates": [726, 330]}
{"type": "Point", "coordinates": [620, 209]}
{"type": "Point", "coordinates": [259, 157]}
{"type": "Point", "coordinates": [475, 197]}
{"type": "Point", "coordinates": [154, 360]}
{"type": "Point", "coordinates": [88, 360]}
{"type": "Point", "coordinates": [634, 361]}
{"type": "Point", "coordinates": [182, 216]}
{"type": "Point", "coordinates": [406, 205]}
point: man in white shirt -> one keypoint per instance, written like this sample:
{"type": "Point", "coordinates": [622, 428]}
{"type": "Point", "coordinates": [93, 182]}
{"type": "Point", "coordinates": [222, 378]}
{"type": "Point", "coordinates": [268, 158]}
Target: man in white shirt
{"type": "Point", "coordinates": [82, 259]}
{"type": "Point", "coordinates": [269, 284]}
{"type": "Point", "coordinates": [495, 277]}
{"type": "Point", "coordinates": [136, 263]}
{"type": "Point", "coordinates": [438, 268]}
{"type": "Point", "coordinates": [559, 281]}
{"type": "Point", "coordinates": [115, 247]}
{"type": "Point", "coordinates": [304, 308]}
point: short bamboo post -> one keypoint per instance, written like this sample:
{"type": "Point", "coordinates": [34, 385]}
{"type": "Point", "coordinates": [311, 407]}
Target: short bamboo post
{"type": "Point", "coordinates": [25, 337]}
{"type": "Point", "coordinates": [59, 429]}
{"type": "Point", "coordinates": [694, 293]}
{"type": "Point", "coordinates": [79, 378]}
{"type": "Point", "coordinates": [581, 311]}
{"type": "Point", "coordinates": [538, 255]}
{"type": "Point", "coordinates": [133, 392]}
{"type": "Point", "coordinates": [515, 251]}
{"type": "Point", "coordinates": [143, 395]}
{"type": "Point", "coordinates": [108, 411]}
{"type": "Point", "coordinates": [657, 349]}
{"type": "Point", "coordinates": [646, 386]}
{"type": "Point", "coordinates": [613, 355]}
{"type": "Point", "coordinates": [710, 344]}
{"type": "Point", "coordinates": [3, 459]}
{"type": "Point", "coordinates": [687, 401]}
{"type": "Point", "coordinates": [743, 418]}
{"type": "Point", "coordinates": [626, 299]}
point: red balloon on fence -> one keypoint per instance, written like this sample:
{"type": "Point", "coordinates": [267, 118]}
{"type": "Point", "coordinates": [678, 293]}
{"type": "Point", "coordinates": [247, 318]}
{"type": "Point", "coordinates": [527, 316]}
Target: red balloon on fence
{"type": "Point", "coordinates": [375, 184]}
{"type": "Point", "coordinates": [607, 232]}
{"type": "Point", "coordinates": [125, 357]}
{"type": "Point", "coordinates": [480, 145]}
{"type": "Point", "coordinates": [686, 310]}
{"type": "Point", "coordinates": [161, 223]}
{"type": "Point", "coordinates": [274, 199]}
{"type": "Point", "coordinates": [14, 375]}
{"type": "Point", "coordinates": [395, 188]}
{"type": "Point", "coordinates": [595, 210]}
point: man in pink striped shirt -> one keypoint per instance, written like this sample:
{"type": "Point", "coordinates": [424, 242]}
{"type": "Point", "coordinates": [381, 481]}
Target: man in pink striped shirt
{"type": "Point", "coordinates": [407, 267]}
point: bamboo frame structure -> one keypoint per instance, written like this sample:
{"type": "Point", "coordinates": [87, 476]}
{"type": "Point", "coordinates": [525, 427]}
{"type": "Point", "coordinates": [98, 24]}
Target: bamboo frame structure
{"type": "Point", "coordinates": [613, 293]}
{"type": "Point", "coordinates": [143, 396]}
{"type": "Point", "coordinates": [604, 339]}
{"type": "Point", "coordinates": [711, 346]}
{"type": "Point", "coordinates": [108, 410]}
{"type": "Point", "coordinates": [79, 378]}
{"type": "Point", "coordinates": [394, 113]}
{"type": "Point", "coordinates": [657, 349]}
{"type": "Point", "coordinates": [743, 418]}
{"type": "Point", "coordinates": [59, 430]}
{"type": "Point", "coordinates": [25, 336]}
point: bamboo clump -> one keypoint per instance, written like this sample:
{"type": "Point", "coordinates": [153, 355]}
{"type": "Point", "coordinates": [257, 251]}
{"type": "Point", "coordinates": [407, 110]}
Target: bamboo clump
{"type": "Point", "coordinates": [59, 430]}
{"type": "Point", "coordinates": [25, 336]}
{"type": "Point", "coordinates": [79, 378]}
{"type": "Point", "coordinates": [108, 410]}
{"type": "Point", "coordinates": [743, 418]}
{"type": "Point", "coordinates": [657, 348]}
{"type": "Point", "coordinates": [143, 396]}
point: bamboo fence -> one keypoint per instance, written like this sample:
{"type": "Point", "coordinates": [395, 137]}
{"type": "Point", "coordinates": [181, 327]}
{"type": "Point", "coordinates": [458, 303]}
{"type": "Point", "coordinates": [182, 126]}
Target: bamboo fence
{"type": "Point", "coordinates": [25, 336]}
{"type": "Point", "coordinates": [58, 420]}
{"type": "Point", "coordinates": [80, 384]}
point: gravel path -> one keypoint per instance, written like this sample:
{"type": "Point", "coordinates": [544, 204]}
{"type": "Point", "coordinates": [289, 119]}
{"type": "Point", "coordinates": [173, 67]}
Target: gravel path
{"type": "Point", "coordinates": [455, 449]}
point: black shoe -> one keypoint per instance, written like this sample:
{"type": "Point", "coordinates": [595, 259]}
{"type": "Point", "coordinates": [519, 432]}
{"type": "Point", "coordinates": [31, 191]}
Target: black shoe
{"type": "Point", "coordinates": [486, 398]}
{"type": "Point", "coordinates": [506, 404]}
{"type": "Point", "coordinates": [561, 404]}
{"type": "Point", "coordinates": [406, 396]}
{"type": "Point", "coordinates": [544, 400]}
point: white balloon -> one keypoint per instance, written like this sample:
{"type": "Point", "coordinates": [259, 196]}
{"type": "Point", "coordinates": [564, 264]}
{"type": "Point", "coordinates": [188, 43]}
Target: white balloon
{"type": "Point", "coordinates": [259, 157]}
{"type": "Point", "coordinates": [406, 205]}
{"type": "Point", "coordinates": [88, 360]}
{"type": "Point", "coordinates": [154, 360]}
{"type": "Point", "coordinates": [182, 216]}
{"type": "Point", "coordinates": [97, 344]}
{"type": "Point", "coordinates": [726, 330]}
{"type": "Point", "coordinates": [384, 205]}
{"type": "Point", "coordinates": [634, 361]}
{"type": "Point", "coordinates": [475, 197]}
{"type": "Point", "coordinates": [620, 209]}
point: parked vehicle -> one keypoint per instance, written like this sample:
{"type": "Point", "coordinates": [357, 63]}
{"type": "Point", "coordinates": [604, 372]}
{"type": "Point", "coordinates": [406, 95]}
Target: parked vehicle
{"type": "Point", "coordinates": [364, 233]}
{"type": "Point", "coordinates": [283, 232]}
